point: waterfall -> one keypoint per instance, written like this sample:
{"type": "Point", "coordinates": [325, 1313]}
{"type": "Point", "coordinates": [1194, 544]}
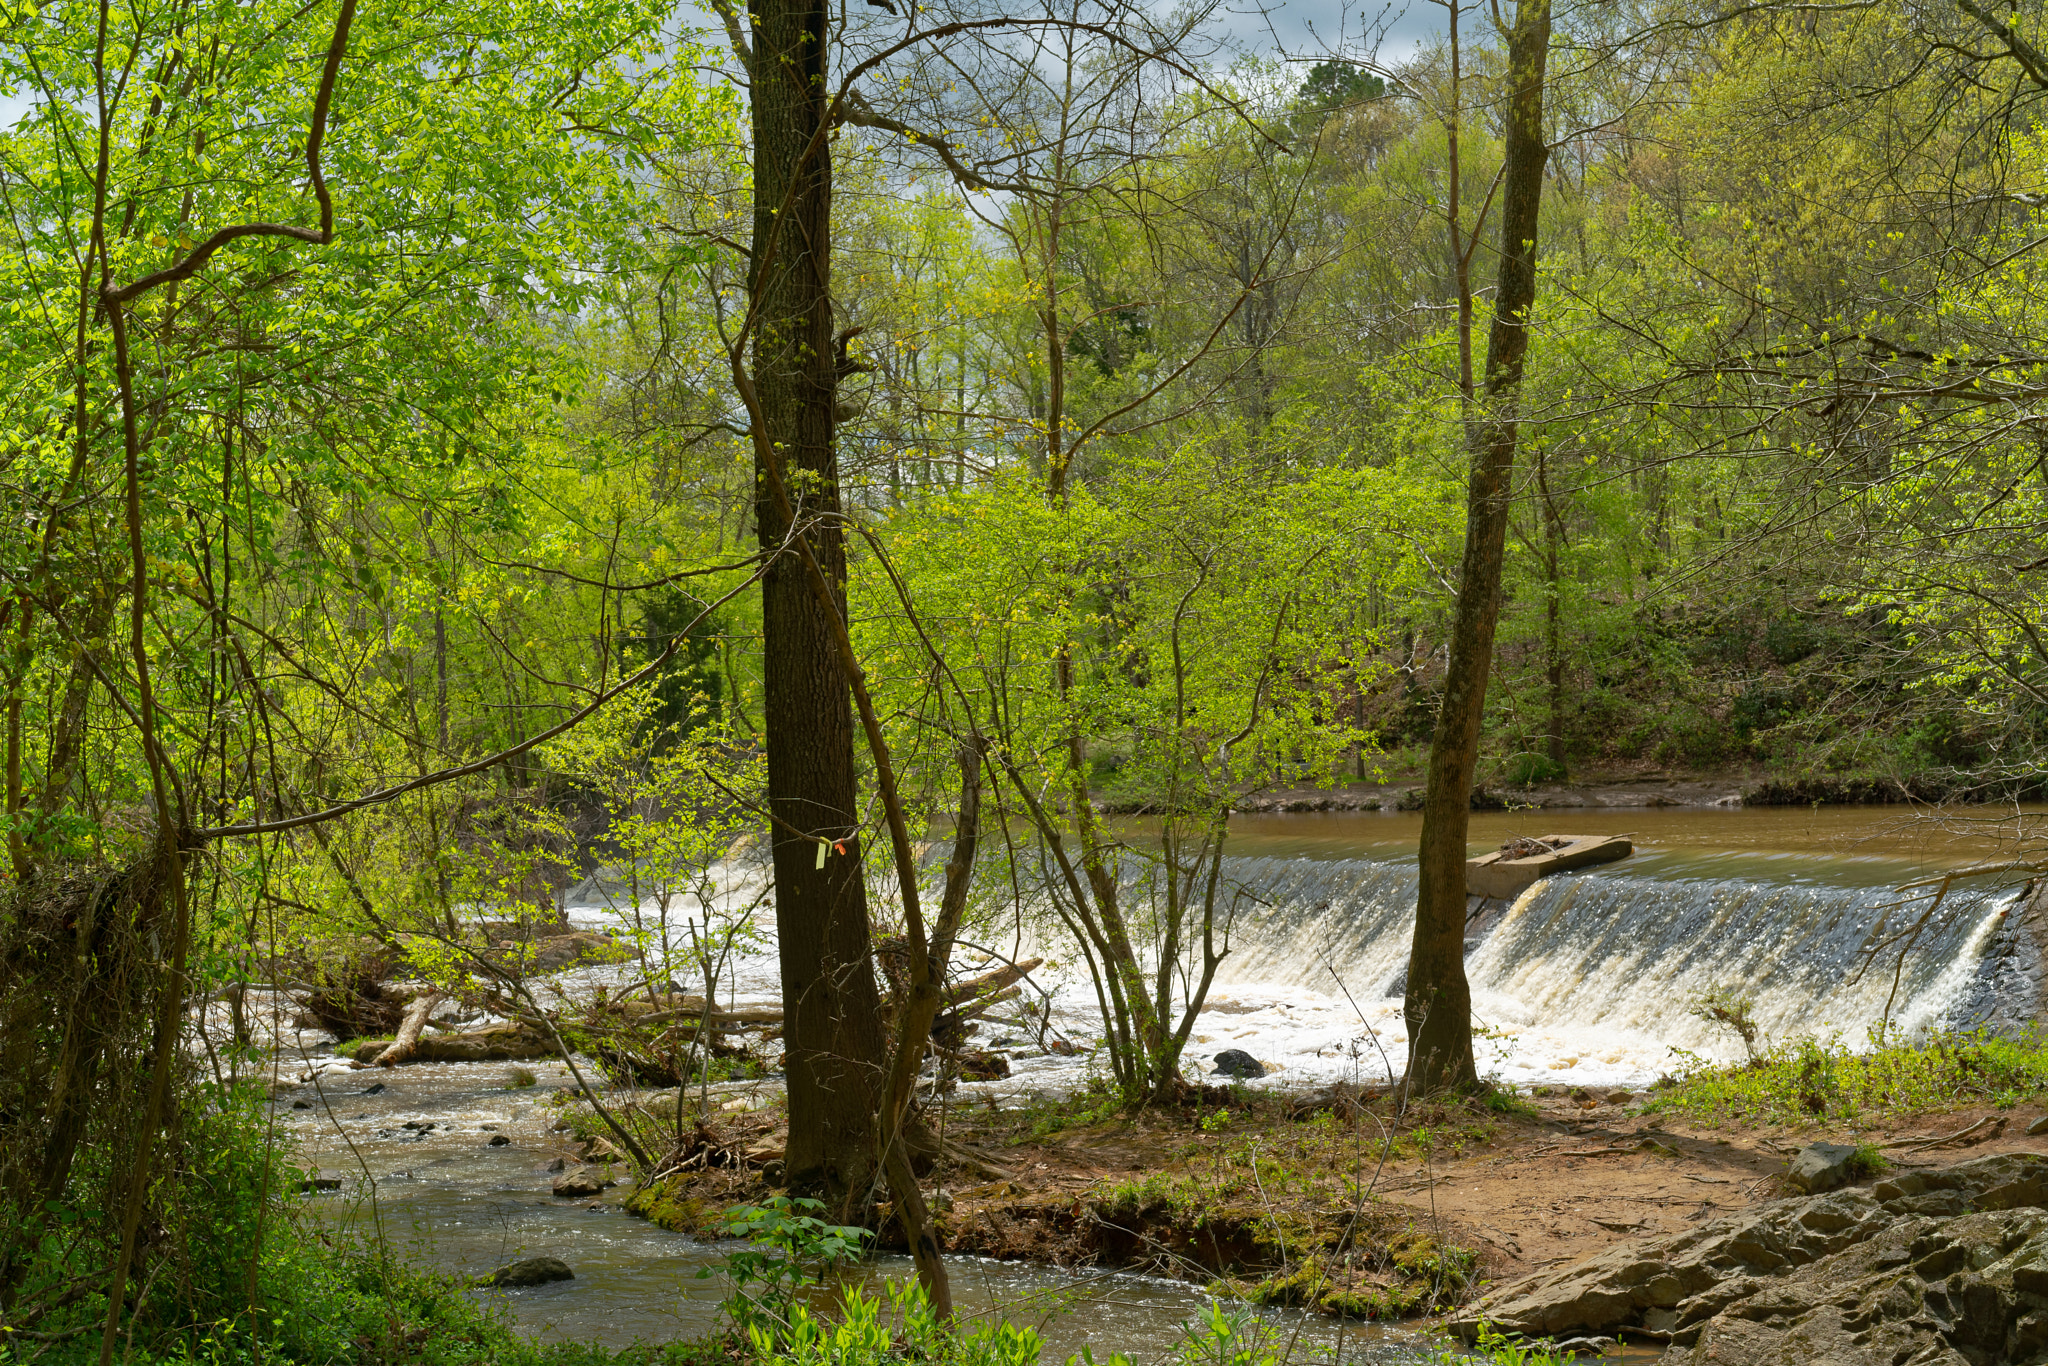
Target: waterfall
{"type": "Point", "coordinates": [1587, 978]}
{"type": "Point", "coordinates": [1604, 952]}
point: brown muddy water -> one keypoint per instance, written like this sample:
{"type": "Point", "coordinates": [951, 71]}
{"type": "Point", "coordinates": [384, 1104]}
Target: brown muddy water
{"type": "Point", "coordinates": [1844, 845]}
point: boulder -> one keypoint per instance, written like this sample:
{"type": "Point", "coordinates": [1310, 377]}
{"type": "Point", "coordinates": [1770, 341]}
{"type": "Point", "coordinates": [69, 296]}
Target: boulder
{"type": "Point", "coordinates": [1237, 1064]}
{"type": "Point", "coordinates": [1822, 1167]}
{"type": "Point", "coordinates": [580, 1184]}
{"type": "Point", "coordinates": [529, 1271]}
{"type": "Point", "coordinates": [981, 1064]}
{"type": "Point", "coordinates": [1948, 1265]}
{"type": "Point", "coordinates": [497, 1141]}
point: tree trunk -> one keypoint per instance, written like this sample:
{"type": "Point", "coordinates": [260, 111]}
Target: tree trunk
{"type": "Point", "coordinates": [833, 1033]}
{"type": "Point", "coordinates": [407, 1041]}
{"type": "Point", "coordinates": [1439, 1000]}
{"type": "Point", "coordinates": [1553, 618]}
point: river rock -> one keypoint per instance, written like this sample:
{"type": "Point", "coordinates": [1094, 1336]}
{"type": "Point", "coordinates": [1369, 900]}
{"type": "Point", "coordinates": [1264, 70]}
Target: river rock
{"type": "Point", "coordinates": [1947, 1266]}
{"type": "Point", "coordinates": [580, 1184]}
{"type": "Point", "coordinates": [1238, 1064]}
{"type": "Point", "coordinates": [1822, 1167]}
{"type": "Point", "coordinates": [2039, 1126]}
{"type": "Point", "coordinates": [530, 1271]}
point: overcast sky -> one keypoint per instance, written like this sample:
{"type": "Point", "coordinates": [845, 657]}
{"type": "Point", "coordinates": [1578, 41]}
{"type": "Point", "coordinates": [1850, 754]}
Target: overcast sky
{"type": "Point", "coordinates": [1307, 27]}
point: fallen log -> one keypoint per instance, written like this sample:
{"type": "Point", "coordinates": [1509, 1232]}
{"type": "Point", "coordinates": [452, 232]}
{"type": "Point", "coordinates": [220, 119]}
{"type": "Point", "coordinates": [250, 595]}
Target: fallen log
{"type": "Point", "coordinates": [989, 982]}
{"type": "Point", "coordinates": [498, 1043]}
{"type": "Point", "coordinates": [408, 1041]}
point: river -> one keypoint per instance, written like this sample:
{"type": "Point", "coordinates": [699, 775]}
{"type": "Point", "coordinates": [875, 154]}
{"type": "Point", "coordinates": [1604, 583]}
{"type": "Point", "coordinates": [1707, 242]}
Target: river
{"type": "Point", "coordinates": [1585, 981]}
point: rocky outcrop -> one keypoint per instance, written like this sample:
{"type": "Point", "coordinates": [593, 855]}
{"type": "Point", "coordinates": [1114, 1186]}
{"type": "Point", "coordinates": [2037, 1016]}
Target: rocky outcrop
{"type": "Point", "coordinates": [1946, 1266]}
{"type": "Point", "coordinates": [1823, 1166]}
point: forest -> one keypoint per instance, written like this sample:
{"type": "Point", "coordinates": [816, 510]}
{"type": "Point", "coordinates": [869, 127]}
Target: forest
{"type": "Point", "coordinates": [873, 482]}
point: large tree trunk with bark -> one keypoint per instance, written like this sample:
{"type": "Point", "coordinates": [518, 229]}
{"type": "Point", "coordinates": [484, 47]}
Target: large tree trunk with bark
{"type": "Point", "coordinates": [833, 1033]}
{"type": "Point", "coordinates": [1439, 1000]}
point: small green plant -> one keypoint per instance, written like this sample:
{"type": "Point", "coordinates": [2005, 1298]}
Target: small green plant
{"type": "Point", "coordinates": [1868, 1160]}
{"type": "Point", "coordinates": [865, 1335]}
{"type": "Point", "coordinates": [1492, 1347]}
{"type": "Point", "coordinates": [1732, 1011]}
{"type": "Point", "coordinates": [1215, 1120]}
{"type": "Point", "coordinates": [520, 1078]}
{"type": "Point", "coordinates": [1236, 1336]}
{"type": "Point", "coordinates": [788, 1248]}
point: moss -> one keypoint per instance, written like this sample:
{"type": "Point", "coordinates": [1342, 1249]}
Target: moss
{"type": "Point", "coordinates": [1443, 1264]}
{"type": "Point", "coordinates": [667, 1204]}
{"type": "Point", "coordinates": [1372, 1301]}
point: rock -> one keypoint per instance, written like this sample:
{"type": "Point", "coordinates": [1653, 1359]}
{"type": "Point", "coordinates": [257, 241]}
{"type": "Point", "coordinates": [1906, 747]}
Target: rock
{"type": "Point", "coordinates": [580, 1184]}
{"type": "Point", "coordinates": [530, 1271]}
{"type": "Point", "coordinates": [302, 1105]}
{"type": "Point", "coordinates": [983, 1064]}
{"type": "Point", "coordinates": [319, 1183]}
{"type": "Point", "coordinates": [375, 1088]}
{"type": "Point", "coordinates": [559, 1164]}
{"type": "Point", "coordinates": [2039, 1126]}
{"type": "Point", "coordinates": [1619, 1097]}
{"type": "Point", "coordinates": [557, 952]}
{"type": "Point", "coordinates": [1947, 1265]}
{"type": "Point", "coordinates": [1237, 1064]}
{"type": "Point", "coordinates": [1822, 1167]}
{"type": "Point", "coordinates": [498, 1141]}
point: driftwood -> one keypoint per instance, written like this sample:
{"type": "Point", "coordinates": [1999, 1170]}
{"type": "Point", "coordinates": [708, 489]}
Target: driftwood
{"type": "Point", "coordinates": [408, 1041]}
{"type": "Point", "coordinates": [988, 983]}
{"type": "Point", "coordinates": [516, 1042]}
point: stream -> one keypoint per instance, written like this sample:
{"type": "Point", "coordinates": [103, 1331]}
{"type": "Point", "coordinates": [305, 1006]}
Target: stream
{"type": "Point", "coordinates": [445, 1198]}
{"type": "Point", "coordinates": [1584, 982]}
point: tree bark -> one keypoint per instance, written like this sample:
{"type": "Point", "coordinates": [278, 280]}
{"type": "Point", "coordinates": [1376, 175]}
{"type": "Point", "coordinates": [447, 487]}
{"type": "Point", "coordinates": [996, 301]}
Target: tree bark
{"type": "Point", "coordinates": [407, 1041]}
{"type": "Point", "coordinates": [833, 1032]}
{"type": "Point", "coordinates": [1439, 999]}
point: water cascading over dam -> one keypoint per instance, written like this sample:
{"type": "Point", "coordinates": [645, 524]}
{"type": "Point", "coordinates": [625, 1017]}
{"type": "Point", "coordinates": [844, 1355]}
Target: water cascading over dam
{"type": "Point", "coordinates": [1586, 977]}
{"type": "Point", "coordinates": [1611, 953]}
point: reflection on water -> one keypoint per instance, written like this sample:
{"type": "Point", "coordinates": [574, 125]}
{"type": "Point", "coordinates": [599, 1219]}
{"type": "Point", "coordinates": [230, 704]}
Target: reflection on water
{"type": "Point", "coordinates": [1846, 845]}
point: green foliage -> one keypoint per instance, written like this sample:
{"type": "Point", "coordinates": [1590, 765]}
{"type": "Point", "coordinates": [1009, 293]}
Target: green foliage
{"type": "Point", "coordinates": [866, 1332]}
{"type": "Point", "coordinates": [789, 1249]}
{"type": "Point", "coordinates": [1732, 1011]}
{"type": "Point", "coordinates": [273, 1283]}
{"type": "Point", "coordinates": [1809, 1081]}
{"type": "Point", "coordinates": [1526, 769]}
{"type": "Point", "coordinates": [1491, 1347]}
